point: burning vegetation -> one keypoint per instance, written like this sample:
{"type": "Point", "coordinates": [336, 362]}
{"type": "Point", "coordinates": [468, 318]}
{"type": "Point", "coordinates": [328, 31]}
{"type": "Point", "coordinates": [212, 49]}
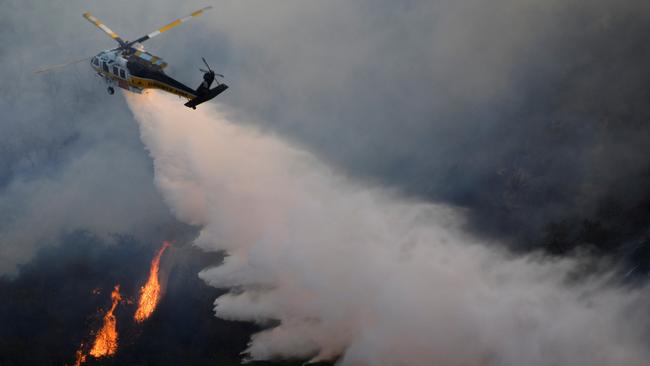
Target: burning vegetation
{"type": "Point", "coordinates": [44, 323]}
{"type": "Point", "coordinates": [106, 339]}
{"type": "Point", "coordinates": [105, 343]}
{"type": "Point", "coordinates": [80, 356]}
{"type": "Point", "coordinates": [150, 292]}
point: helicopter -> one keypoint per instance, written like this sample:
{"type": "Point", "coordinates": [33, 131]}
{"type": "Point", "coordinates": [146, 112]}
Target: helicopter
{"type": "Point", "coordinates": [130, 67]}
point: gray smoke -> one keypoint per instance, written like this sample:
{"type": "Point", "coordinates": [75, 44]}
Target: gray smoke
{"type": "Point", "coordinates": [357, 273]}
{"type": "Point", "coordinates": [70, 158]}
{"type": "Point", "coordinates": [526, 113]}
{"type": "Point", "coordinates": [523, 113]}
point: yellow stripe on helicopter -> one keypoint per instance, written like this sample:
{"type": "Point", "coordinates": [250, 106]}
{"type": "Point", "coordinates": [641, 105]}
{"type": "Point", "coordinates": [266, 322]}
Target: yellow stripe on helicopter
{"type": "Point", "coordinates": [155, 84]}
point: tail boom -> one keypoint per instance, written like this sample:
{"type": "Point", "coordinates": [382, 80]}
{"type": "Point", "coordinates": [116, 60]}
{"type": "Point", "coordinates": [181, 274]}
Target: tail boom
{"type": "Point", "coordinates": [206, 96]}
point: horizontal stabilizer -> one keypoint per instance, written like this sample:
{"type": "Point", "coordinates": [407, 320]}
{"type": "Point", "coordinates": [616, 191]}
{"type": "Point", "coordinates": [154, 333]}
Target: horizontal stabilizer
{"type": "Point", "coordinates": [207, 96]}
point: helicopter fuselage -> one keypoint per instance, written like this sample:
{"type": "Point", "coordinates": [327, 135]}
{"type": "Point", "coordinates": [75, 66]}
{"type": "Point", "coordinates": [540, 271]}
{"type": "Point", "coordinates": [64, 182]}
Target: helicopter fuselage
{"type": "Point", "coordinates": [135, 71]}
{"type": "Point", "coordinates": [111, 66]}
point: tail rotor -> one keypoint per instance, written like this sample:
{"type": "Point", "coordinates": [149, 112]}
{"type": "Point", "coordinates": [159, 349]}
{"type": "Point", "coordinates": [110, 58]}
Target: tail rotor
{"type": "Point", "coordinates": [203, 92]}
{"type": "Point", "coordinates": [209, 74]}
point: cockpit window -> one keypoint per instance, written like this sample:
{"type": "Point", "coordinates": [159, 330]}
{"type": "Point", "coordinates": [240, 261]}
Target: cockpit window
{"type": "Point", "coordinates": [95, 61]}
{"type": "Point", "coordinates": [115, 71]}
{"type": "Point", "coordinates": [105, 66]}
{"type": "Point", "coordinates": [122, 74]}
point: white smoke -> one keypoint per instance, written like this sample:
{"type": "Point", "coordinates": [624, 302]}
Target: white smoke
{"type": "Point", "coordinates": [359, 274]}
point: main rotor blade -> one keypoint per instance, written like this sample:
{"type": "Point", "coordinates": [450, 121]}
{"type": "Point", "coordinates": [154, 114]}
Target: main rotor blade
{"type": "Point", "coordinates": [169, 26]}
{"type": "Point", "coordinates": [104, 28]}
{"type": "Point", "coordinates": [54, 67]}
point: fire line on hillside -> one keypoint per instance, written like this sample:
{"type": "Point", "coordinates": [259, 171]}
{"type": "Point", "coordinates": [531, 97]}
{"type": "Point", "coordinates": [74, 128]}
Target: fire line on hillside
{"type": "Point", "coordinates": [106, 339]}
{"type": "Point", "coordinates": [150, 292]}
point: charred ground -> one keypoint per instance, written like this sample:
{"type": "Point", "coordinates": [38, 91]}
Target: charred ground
{"type": "Point", "coordinates": [57, 300]}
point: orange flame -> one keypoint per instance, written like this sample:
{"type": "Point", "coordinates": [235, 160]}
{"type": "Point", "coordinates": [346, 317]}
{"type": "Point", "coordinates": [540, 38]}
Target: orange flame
{"type": "Point", "coordinates": [106, 339]}
{"type": "Point", "coordinates": [80, 357]}
{"type": "Point", "coordinates": [150, 292]}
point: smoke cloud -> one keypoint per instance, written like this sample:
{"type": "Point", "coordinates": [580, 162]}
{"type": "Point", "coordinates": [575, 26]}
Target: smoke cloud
{"type": "Point", "coordinates": [529, 114]}
{"type": "Point", "coordinates": [340, 270]}
{"type": "Point", "coordinates": [70, 158]}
